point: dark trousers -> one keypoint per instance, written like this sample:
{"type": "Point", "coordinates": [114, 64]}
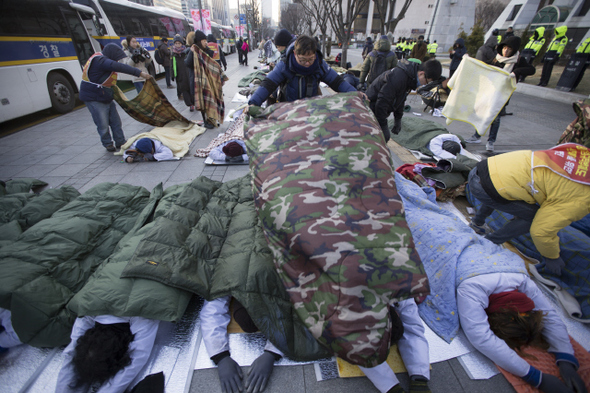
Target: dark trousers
{"type": "Point", "coordinates": [547, 68]}
{"type": "Point", "coordinates": [245, 58]}
{"type": "Point", "coordinates": [523, 212]}
{"type": "Point", "coordinates": [240, 56]}
{"type": "Point", "coordinates": [167, 72]}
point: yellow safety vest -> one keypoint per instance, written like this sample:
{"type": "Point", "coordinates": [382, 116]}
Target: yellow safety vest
{"type": "Point", "coordinates": [433, 48]}
{"type": "Point", "coordinates": [584, 47]}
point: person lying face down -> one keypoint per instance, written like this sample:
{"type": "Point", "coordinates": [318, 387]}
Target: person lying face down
{"type": "Point", "coordinates": [533, 186]}
{"type": "Point", "coordinates": [408, 334]}
{"type": "Point", "coordinates": [502, 312]}
{"type": "Point", "coordinates": [146, 149]}
{"type": "Point", "coordinates": [106, 353]}
{"type": "Point", "coordinates": [215, 317]}
{"type": "Point", "coordinates": [231, 151]}
{"type": "Point", "coordinates": [446, 146]}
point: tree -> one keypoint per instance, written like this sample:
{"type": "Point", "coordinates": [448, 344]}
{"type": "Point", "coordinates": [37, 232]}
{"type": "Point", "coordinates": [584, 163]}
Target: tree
{"type": "Point", "coordinates": [342, 14]}
{"type": "Point", "coordinates": [319, 14]}
{"type": "Point", "coordinates": [486, 12]}
{"type": "Point", "coordinates": [474, 40]}
{"type": "Point", "coordinates": [252, 16]}
{"type": "Point", "coordinates": [292, 18]}
{"type": "Point", "coordinates": [387, 23]}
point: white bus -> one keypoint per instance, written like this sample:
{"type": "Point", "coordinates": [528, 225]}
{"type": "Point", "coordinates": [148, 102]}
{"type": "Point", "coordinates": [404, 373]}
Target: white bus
{"type": "Point", "coordinates": [45, 43]}
{"type": "Point", "coordinates": [226, 37]}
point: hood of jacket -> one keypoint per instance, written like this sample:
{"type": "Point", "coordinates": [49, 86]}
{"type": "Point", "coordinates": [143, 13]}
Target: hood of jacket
{"type": "Point", "coordinates": [113, 52]}
{"type": "Point", "coordinates": [560, 31]}
{"type": "Point", "coordinates": [124, 44]}
{"type": "Point", "coordinates": [539, 33]}
{"type": "Point", "coordinates": [369, 40]}
{"type": "Point", "coordinates": [411, 69]}
{"type": "Point", "coordinates": [513, 42]}
{"type": "Point", "coordinates": [383, 45]}
{"type": "Point", "coordinates": [460, 42]}
{"type": "Point", "coordinates": [492, 42]}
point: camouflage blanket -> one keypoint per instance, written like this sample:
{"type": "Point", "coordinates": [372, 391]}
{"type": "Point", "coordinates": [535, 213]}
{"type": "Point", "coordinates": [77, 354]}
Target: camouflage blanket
{"type": "Point", "coordinates": [209, 79]}
{"type": "Point", "coordinates": [150, 106]}
{"type": "Point", "coordinates": [578, 131]}
{"type": "Point", "coordinates": [325, 193]}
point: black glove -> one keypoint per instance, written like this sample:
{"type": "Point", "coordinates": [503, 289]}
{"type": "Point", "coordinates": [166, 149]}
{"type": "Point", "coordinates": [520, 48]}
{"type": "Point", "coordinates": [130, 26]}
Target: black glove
{"type": "Point", "coordinates": [397, 126]}
{"type": "Point", "coordinates": [571, 377]}
{"type": "Point", "coordinates": [554, 266]}
{"type": "Point", "coordinates": [552, 384]}
{"type": "Point", "coordinates": [260, 372]}
{"type": "Point", "coordinates": [230, 375]}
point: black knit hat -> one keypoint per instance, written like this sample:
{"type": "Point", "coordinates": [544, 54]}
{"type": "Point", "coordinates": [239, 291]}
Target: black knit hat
{"type": "Point", "coordinates": [452, 147]}
{"type": "Point", "coordinates": [178, 38]}
{"type": "Point", "coordinates": [283, 37]}
{"type": "Point", "coordinates": [511, 42]}
{"type": "Point", "coordinates": [199, 35]}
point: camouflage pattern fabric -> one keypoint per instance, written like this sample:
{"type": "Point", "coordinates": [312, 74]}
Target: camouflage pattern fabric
{"type": "Point", "coordinates": [325, 193]}
{"type": "Point", "coordinates": [579, 130]}
{"type": "Point", "coordinates": [150, 106]}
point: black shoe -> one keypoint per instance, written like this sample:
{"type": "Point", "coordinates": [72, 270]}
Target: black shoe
{"type": "Point", "coordinates": [208, 125]}
{"type": "Point", "coordinates": [111, 148]}
{"type": "Point", "coordinates": [118, 146]}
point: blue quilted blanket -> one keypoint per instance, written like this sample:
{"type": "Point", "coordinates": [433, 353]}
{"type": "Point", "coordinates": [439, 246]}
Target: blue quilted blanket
{"type": "Point", "coordinates": [451, 252]}
{"type": "Point", "coordinates": [574, 243]}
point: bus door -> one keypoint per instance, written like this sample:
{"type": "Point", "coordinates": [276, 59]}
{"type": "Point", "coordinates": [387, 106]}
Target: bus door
{"type": "Point", "coordinates": [80, 39]}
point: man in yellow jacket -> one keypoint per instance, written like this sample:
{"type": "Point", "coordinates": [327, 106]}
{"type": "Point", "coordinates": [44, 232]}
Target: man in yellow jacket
{"type": "Point", "coordinates": [545, 191]}
{"type": "Point", "coordinates": [554, 51]}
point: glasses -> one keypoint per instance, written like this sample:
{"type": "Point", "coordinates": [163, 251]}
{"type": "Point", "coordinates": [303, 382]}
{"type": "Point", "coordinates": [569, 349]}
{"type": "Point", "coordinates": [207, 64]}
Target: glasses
{"type": "Point", "coordinates": [305, 60]}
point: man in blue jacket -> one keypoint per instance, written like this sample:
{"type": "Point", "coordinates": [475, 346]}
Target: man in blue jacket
{"type": "Point", "coordinates": [300, 74]}
{"type": "Point", "coordinates": [98, 75]}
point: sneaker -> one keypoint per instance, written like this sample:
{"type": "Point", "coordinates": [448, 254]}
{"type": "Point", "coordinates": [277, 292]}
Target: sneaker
{"type": "Point", "coordinates": [111, 148]}
{"type": "Point", "coordinates": [480, 230]}
{"type": "Point", "coordinates": [473, 139]}
{"type": "Point", "coordinates": [490, 146]}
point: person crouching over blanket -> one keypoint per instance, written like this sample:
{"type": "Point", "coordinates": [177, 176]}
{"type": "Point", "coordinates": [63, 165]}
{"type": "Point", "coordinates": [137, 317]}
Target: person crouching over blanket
{"type": "Point", "coordinates": [300, 74]}
{"type": "Point", "coordinates": [545, 191]}
{"type": "Point", "coordinates": [207, 85]}
{"type": "Point", "coordinates": [231, 151]}
{"type": "Point", "coordinates": [106, 353]}
{"type": "Point", "coordinates": [408, 333]}
{"type": "Point", "coordinates": [215, 317]}
{"type": "Point", "coordinates": [146, 149]}
{"type": "Point", "coordinates": [502, 312]}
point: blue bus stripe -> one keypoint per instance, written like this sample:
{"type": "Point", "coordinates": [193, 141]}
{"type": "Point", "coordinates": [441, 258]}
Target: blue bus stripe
{"type": "Point", "coordinates": [35, 50]}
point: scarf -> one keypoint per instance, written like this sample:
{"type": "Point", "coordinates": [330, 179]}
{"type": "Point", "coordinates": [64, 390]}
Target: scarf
{"type": "Point", "coordinates": [301, 70]}
{"type": "Point", "coordinates": [511, 300]}
{"type": "Point", "coordinates": [178, 51]}
{"type": "Point", "coordinates": [508, 62]}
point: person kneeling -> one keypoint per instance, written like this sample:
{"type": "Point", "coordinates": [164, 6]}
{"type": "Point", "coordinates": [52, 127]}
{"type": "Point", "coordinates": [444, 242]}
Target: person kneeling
{"type": "Point", "coordinates": [146, 149]}
{"type": "Point", "coordinates": [232, 152]}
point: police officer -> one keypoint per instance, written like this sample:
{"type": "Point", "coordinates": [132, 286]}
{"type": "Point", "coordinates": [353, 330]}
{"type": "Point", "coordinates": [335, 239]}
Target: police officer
{"type": "Point", "coordinates": [432, 48]}
{"type": "Point", "coordinates": [554, 51]}
{"type": "Point", "coordinates": [532, 48]}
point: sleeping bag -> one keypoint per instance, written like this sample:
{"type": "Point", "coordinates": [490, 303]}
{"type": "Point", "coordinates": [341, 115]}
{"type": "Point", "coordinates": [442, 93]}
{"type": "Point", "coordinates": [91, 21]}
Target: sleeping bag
{"type": "Point", "coordinates": [325, 193]}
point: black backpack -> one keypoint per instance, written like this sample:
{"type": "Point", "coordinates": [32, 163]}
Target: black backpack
{"type": "Point", "coordinates": [378, 66]}
{"type": "Point", "coordinates": [433, 94]}
{"type": "Point", "coordinates": [157, 57]}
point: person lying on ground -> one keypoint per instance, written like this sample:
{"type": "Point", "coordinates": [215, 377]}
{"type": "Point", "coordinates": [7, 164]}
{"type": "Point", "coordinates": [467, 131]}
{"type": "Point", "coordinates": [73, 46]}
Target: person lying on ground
{"type": "Point", "coordinates": [533, 187]}
{"type": "Point", "coordinates": [215, 317]}
{"type": "Point", "coordinates": [446, 146]}
{"type": "Point", "coordinates": [300, 74]}
{"type": "Point", "coordinates": [231, 151]}
{"type": "Point", "coordinates": [146, 149]}
{"type": "Point", "coordinates": [502, 312]}
{"type": "Point", "coordinates": [389, 91]}
{"type": "Point", "coordinates": [106, 353]}
{"type": "Point", "coordinates": [408, 333]}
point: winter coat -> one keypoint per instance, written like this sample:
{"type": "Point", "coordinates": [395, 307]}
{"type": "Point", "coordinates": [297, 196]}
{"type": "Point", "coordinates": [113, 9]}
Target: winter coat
{"type": "Point", "coordinates": [389, 91]}
{"type": "Point", "coordinates": [559, 41]}
{"type": "Point", "coordinates": [165, 54]}
{"type": "Point", "coordinates": [419, 50]}
{"type": "Point", "coordinates": [381, 47]}
{"type": "Point", "coordinates": [142, 65]}
{"type": "Point", "coordinates": [522, 68]}
{"type": "Point", "coordinates": [537, 40]}
{"type": "Point", "coordinates": [561, 200]}
{"type": "Point", "coordinates": [298, 86]}
{"type": "Point", "coordinates": [99, 70]}
{"type": "Point", "coordinates": [181, 74]}
{"type": "Point", "coordinates": [368, 48]}
{"type": "Point", "coordinates": [487, 52]}
{"type": "Point", "coordinates": [456, 57]}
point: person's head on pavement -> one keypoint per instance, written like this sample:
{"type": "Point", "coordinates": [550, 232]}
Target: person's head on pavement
{"type": "Point", "coordinates": [452, 147]}
{"type": "Point", "coordinates": [233, 149]}
{"type": "Point", "coordinates": [145, 145]}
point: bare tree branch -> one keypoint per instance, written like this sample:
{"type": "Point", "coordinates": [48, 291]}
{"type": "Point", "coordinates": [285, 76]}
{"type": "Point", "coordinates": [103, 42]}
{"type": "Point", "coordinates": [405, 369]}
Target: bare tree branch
{"type": "Point", "coordinates": [392, 23]}
{"type": "Point", "coordinates": [486, 12]}
{"type": "Point", "coordinates": [292, 18]}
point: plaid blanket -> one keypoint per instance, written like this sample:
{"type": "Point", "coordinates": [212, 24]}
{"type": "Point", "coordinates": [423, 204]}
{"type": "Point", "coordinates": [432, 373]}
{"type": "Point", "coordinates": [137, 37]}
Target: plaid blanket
{"type": "Point", "coordinates": [150, 106]}
{"type": "Point", "coordinates": [209, 79]}
{"type": "Point", "coordinates": [235, 131]}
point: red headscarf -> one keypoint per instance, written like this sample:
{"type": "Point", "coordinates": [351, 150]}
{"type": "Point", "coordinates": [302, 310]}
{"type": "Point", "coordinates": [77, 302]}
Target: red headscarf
{"type": "Point", "coordinates": [512, 300]}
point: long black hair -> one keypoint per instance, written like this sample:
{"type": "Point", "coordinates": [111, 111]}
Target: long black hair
{"type": "Point", "coordinates": [101, 353]}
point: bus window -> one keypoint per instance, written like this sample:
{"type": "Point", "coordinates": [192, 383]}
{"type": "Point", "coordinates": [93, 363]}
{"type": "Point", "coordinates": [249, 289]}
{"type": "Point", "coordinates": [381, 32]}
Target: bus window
{"type": "Point", "coordinates": [158, 28]}
{"type": "Point", "coordinates": [179, 26]}
{"type": "Point", "coordinates": [42, 19]}
{"type": "Point", "coordinates": [168, 25]}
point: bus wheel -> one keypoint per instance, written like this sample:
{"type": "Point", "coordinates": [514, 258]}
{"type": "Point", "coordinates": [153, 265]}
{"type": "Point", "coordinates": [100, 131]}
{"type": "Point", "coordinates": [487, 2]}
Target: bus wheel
{"type": "Point", "coordinates": [61, 93]}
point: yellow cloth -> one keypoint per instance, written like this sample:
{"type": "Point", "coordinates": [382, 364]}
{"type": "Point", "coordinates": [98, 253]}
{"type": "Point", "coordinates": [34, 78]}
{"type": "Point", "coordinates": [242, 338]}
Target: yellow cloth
{"type": "Point", "coordinates": [478, 93]}
{"type": "Point", "coordinates": [176, 136]}
{"type": "Point", "coordinates": [347, 370]}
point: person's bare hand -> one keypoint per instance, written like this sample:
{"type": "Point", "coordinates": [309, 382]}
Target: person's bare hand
{"type": "Point", "coordinates": [145, 75]}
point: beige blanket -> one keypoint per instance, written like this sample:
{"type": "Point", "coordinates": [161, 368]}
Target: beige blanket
{"type": "Point", "coordinates": [478, 93]}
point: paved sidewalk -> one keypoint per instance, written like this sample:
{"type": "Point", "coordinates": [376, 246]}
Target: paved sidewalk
{"type": "Point", "coordinates": [67, 150]}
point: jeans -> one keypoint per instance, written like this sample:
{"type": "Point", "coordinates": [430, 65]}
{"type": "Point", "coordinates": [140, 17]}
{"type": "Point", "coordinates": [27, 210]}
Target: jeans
{"type": "Point", "coordinates": [167, 72]}
{"type": "Point", "coordinates": [523, 212]}
{"type": "Point", "coordinates": [138, 86]}
{"type": "Point", "coordinates": [105, 115]}
{"type": "Point", "coordinates": [493, 130]}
